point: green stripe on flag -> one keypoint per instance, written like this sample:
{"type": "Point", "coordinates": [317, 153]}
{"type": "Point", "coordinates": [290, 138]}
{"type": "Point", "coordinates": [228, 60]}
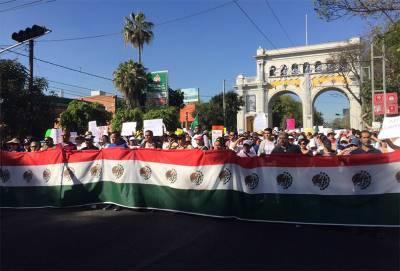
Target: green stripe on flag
{"type": "Point", "coordinates": [382, 209]}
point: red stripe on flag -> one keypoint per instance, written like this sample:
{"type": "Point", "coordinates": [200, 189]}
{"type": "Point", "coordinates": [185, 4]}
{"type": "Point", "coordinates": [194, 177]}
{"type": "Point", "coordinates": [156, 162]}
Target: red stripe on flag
{"type": "Point", "coordinates": [197, 158]}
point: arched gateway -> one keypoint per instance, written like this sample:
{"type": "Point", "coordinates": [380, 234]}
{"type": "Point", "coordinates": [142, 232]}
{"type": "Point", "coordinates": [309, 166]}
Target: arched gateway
{"type": "Point", "coordinates": [306, 71]}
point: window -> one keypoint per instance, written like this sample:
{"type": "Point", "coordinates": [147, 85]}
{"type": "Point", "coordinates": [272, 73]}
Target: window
{"type": "Point", "coordinates": [306, 67]}
{"type": "Point", "coordinates": [251, 103]}
{"type": "Point", "coordinates": [318, 66]}
{"type": "Point", "coordinates": [295, 69]}
{"type": "Point", "coordinates": [272, 71]}
{"type": "Point", "coordinates": [330, 66]}
{"type": "Point", "coordinates": [284, 70]}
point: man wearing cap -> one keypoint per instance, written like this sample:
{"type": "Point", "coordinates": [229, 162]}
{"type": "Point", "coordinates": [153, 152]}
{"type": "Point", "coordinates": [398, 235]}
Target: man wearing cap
{"type": "Point", "coordinates": [89, 143]}
{"type": "Point", "coordinates": [247, 150]}
{"type": "Point", "coordinates": [132, 143]}
{"type": "Point", "coordinates": [14, 145]}
{"type": "Point", "coordinates": [284, 146]}
{"type": "Point", "coordinates": [199, 142]}
{"type": "Point", "coordinates": [267, 145]}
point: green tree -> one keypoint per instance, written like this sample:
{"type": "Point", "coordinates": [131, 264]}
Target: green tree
{"type": "Point", "coordinates": [127, 115]}
{"type": "Point", "coordinates": [131, 79]}
{"type": "Point", "coordinates": [170, 116]}
{"type": "Point", "coordinates": [23, 112]}
{"type": "Point", "coordinates": [137, 31]}
{"type": "Point", "coordinates": [285, 107]}
{"type": "Point", "coordinates": [78, 114]}
{"type": "Point", "coordinates": [175, 98]}
{"type": "Point", "coordinates": [211, 113]}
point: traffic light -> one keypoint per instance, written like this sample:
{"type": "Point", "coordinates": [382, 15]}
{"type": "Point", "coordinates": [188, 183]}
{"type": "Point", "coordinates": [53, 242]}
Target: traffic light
{"type": "Point", "coordinates": [29, 33]}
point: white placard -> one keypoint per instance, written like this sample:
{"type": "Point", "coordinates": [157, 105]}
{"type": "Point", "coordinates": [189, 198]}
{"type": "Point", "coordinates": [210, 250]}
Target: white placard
{"type": "Point", "coordinates": [56, 135]}
{"type": "Point", "coordinates": [103, 130]}
{"type": "Point", "coordinates": [128, 128]}
{"type": "Point", "coordinates": [72, 137]}
{"type": "Point", "coordinates": [155, 125]}
{"type": "Point", "coordinates": [390, 128]}
{"type": "Point", "coordinates": [92, 126]}
{"type": "Point", "coordinates": [260, 122]}
{"type": "Point", "coordinates": [215, 134]}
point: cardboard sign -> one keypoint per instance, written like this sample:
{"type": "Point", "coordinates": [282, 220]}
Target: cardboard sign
{"type": "Point", "coordinates": [56, 135]}
{"type": "Point", "coordinates": [390, 128]}
{"type": "Point", "coordinates": [155, 125]}
{"type": "Point", "coordinates": [260, 122]}
{"type": "Point", "coordinates": [128, 128]}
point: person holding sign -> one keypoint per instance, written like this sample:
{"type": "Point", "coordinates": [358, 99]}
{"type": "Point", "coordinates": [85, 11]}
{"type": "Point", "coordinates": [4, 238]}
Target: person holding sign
{"type": "Point", "coordinates": [365, 146]}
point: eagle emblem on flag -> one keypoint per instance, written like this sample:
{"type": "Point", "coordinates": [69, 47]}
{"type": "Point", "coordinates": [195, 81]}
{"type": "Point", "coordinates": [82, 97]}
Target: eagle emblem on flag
{"type": "Point", "coordinates": [95, 171]}
{"type": "Point", "coordinates": [321, 180]}
{"type": "Point", "coordinates": [171, 175]}
{"type": "Point", "coordinates": [69, 173]}
{"type": "Point", "coordinates": [251, 181]}
{"type": "Point", "coordinates": [197, 177]}
{"type": "Point", "coordinates": [28, 175]}
{"type": "Point", "coordinates": [46, 175]}
{"type": "Point", "coordinates": [145, 172]}
{"type": "Point", "coordinates": [284, 180]}
{"type": "Point", "coordinates": [398, 176]}
{"type": "Point", "coordinates": [362, 179]}
{"type": "Point", "coordinates": [4, 175]}
{"type": "Point", "coordinates": [225, 175]}
{"type": "Point", "coordinates": [118, 171]}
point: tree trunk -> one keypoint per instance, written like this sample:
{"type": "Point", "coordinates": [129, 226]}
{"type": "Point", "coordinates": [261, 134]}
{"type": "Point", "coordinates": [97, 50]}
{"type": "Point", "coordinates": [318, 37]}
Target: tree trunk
{"type": "Point", "coordinates": [140, 54]}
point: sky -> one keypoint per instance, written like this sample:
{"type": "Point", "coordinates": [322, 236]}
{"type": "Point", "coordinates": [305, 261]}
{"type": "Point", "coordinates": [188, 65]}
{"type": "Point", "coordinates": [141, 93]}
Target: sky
{"type": "Point", "coordinates": [200, 43]}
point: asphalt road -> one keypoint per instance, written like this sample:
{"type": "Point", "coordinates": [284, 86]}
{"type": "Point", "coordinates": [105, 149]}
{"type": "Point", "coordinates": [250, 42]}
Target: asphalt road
{"type": "Point", "coordinates": [78, 238]}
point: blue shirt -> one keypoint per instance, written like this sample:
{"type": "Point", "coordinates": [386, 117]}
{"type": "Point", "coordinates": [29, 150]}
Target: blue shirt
{"type": "Point", "coordinates": [114, 145]}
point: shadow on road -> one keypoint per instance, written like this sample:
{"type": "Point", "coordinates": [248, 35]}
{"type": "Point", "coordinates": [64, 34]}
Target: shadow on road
{"type": "Point", "coordinates": [79, 238]}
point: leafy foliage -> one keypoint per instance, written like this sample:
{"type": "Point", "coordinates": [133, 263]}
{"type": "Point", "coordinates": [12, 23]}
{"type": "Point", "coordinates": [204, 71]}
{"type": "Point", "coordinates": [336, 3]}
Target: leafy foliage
{"type": "Point", "coordinates": [131, 79]}
{"type": "Point", "coordinates": [175, 98]}
{"type": "Point", "coordinates": [127, 115]}
{"type": "Point", "coordinates": [168, 114]}
{"type": "Point", "coordinates": [211, 113]}
{"type": "Point", "coordinates": [23, 112]}
{"type": "Point", "coordinates": [79, 113]}
{"type": "Point", "coordinates": [137, 31]}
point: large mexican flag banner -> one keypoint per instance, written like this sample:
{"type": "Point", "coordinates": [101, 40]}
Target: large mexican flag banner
{"type": "Point", "coordinates": [342, 190]}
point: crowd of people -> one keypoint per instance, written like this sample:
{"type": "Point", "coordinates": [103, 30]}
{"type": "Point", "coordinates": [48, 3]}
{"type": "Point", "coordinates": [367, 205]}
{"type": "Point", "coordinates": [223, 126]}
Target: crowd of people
{"type": "Point", "coordinates": [248, 144]}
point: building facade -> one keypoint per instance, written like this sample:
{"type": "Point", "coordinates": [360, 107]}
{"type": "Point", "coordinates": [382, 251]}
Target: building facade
{"type": "Point", "coordinates": [307, 71]}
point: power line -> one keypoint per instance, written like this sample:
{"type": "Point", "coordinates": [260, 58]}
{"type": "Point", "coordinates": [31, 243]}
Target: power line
{"type": "Point", "coordinates": [64, 67]}
{"type": "Point", "coordinates": [254, 24]}
{"type": "Point", "coordinates": [26, 5]}
{"type": "Point", "coordinates": [76, 86]}
{"type": "Point", "coordinates": [157, 24]}
{"type": "Point", "coordinates": [5, 2]}
{"type": "Point", "coordinates": [279, 22]}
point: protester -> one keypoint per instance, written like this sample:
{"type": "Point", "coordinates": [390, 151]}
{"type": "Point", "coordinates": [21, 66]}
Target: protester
{"type": "Point", "coordinates": [89, 145]}
{"type": "Point", "coordinates": [219, 144]}
{"type": "Point", "coordinates": [104, 142]}
{"type": "Point", "coordinates": [303, 142]}
{"type": "Point", "coordinates": [48, 144]}
{"type": "Point", "coordinates": [197, 131]}
{"type": "Point", "coordinates": [365, 146]}
{"type": "Point", "coordinates": [35, 146]}
{"type": "Point", "coordinates": [27, 144]}
{"type": "Point", "coordinates": [133, 143]}
{"type": "Point", "coordinates": [232, 137]}
{"type": "Point", "coordinates": [80, 142]}
{"type": "Point", "coordinates": [66, 144]}
{"type": "Point", "coordinates": [14, 145]}
{"type": "Point", "coordinates": [117, 141]}
{"type": "Point", "coordinates": [284, 146]}
{"type": "Point", "coordinates": [267, 145]}
{"type": "Point", "coordinates": [326, 146]}
{"type": "Point", "coordinates": [149, 142]}
{"type": "Point", "coordinates": [171, 142]}
{"type": "Point", "coordinates": [199, 142]}
{"type": "Point", "coordinates": [247, 150]}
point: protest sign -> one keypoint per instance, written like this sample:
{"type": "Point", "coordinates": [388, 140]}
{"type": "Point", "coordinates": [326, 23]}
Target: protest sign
{"type": "Point", "coordinates": [92, 126]}
{"type": "Point", "coordinates": [216, 131]}
{"type": "Point", "coordinates": [260, 122]}
{"type": "Point", "coordinates": [72, 136]}
{"type": "Point", "coordinates": [390, 128]}
{"type": "Point", "coordinates": [155, 125]}
{"type": "Point", "coordinates": [56, 135]}
{"type": "Point", "coordinates": [290, 124]}
{"type": "Point", "coordinates": [128, 128]}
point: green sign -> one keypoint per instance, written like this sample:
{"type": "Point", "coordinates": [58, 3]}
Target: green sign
{"type": "Point", "coordinates": [158, 88]}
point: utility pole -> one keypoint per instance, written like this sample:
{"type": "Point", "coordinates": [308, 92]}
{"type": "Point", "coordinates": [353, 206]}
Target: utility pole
{"type": "Point", "coordinates": [223, 102]}
{"type": "Point", "coordinates": [372, 80]}
{"type": "Point", "coordinates": [30, 66]}
{"type": "Point", "coordinates": [384, 76]}
{"type": "Point", "coordinates": [383, 90]}
{"type": "Point", "coordinates": [306, 31]}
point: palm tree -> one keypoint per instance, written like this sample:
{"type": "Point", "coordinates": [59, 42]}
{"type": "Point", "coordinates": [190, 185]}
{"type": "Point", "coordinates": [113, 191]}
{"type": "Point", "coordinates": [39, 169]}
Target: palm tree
{"type": "Point", "coordinates": [130, 78]}
{"type": "Point", "coordinates": [137, 31]}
